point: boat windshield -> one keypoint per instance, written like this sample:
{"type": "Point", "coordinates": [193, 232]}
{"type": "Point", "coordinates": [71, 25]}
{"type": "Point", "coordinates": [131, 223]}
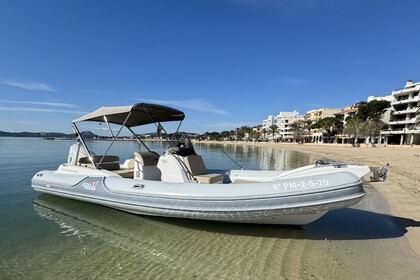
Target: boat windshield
{"type": "Point", "coordinates": [181, 145]}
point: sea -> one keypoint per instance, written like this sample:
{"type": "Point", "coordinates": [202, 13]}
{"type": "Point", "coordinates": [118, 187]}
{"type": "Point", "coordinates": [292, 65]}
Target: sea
{"type": "Point", "coordinates": [48, 237]}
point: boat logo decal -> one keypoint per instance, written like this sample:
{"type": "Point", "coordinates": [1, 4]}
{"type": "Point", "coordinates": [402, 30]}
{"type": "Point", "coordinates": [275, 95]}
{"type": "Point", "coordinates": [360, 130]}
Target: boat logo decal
{"type": "Point", "coordinates": [90, 186]}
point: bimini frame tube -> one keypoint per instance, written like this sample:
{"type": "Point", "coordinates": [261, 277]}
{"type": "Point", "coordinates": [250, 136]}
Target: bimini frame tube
{"type": "Point", "coordinates": [157, 124]}
{"type": "Point", "coordinates": [84, 145]}
{"type": "Point", "coordinates": [115, 138]}
{"type": "Point", "coordinates": [109, 127]}
{"type": "Point", "coordinates": [138, 138]}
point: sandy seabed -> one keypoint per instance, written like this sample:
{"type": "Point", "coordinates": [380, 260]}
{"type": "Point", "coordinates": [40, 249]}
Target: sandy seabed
{"type": "Point", "coordinates": [401, 190]}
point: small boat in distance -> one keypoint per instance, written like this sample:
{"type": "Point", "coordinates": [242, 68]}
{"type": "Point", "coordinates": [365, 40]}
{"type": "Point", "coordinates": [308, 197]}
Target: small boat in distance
{"type": "Point", "coordinates": [178, 184]}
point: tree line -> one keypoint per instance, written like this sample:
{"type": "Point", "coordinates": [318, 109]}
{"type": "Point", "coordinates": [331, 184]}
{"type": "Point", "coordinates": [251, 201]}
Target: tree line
{"type": "Point", "coordinates": [366, 122]}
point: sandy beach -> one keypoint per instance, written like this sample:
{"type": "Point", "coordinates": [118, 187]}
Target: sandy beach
{"type": "Point", "coordinates": [402, 187]}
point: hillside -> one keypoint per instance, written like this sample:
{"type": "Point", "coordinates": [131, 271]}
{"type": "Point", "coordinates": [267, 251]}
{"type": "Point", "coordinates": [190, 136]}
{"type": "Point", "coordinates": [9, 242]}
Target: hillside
{"type": "Point", "coordinates": [85, 134]}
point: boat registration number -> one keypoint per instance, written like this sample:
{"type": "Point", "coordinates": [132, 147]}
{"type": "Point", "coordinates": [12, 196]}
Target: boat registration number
{"type": "Point", "coordinates": [300, 184]}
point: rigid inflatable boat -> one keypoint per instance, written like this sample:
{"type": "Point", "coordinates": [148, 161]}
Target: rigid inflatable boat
{"type": "Point", "coordinates": [178, 184]}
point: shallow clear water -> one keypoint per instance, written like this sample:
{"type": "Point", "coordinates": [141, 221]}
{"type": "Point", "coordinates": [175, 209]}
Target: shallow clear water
{"type": "Point", "coordinates": [47, 237]}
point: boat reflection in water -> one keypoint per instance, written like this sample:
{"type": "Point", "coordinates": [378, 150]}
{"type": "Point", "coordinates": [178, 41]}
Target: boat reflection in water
{"type": "Point", "coordinates": [156, 246]}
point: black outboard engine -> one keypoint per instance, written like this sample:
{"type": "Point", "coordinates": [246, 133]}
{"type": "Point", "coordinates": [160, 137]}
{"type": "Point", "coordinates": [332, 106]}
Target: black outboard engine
{"type": "Point", "coordinates": [321, 162]}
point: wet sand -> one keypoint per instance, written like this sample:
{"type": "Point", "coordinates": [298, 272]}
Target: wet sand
{"type": "Point", "coordinates": [402, 188]}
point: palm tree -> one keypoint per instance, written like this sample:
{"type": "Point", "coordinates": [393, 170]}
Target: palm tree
{"type": "Point", "coordinates": [264, 131]}
{"type": "Point", "coordinates": [298, 131]}
{"type": "Point", "coordinates": [273, 129]}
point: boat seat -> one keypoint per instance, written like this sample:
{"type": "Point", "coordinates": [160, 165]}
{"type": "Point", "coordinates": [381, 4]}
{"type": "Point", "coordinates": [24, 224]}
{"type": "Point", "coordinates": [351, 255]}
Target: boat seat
{"type": "Point", "coordinates": [146, 166]}
{"type": "Point", "coordinates": [125, 173]}
{"type": "Point", "coordinates": [110, 163]}
{"type": "Point", "coordinates": [147, 158]}
{"type": "Point", "coordinates": [195, 165]}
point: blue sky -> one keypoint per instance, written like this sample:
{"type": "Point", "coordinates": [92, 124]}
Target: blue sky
{"type": "Point", "coordinates": [225, 63]}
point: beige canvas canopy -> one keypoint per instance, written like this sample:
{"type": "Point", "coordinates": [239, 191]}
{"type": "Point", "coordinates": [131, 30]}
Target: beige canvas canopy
{"type": "Point", "coordinates": [138, 114]}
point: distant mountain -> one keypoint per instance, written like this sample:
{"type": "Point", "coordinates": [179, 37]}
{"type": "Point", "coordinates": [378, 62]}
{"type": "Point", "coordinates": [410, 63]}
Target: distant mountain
{"type": "Point", "coordinates": [85, 134]}
{"type": "Point", "coordinates": [88, 134]}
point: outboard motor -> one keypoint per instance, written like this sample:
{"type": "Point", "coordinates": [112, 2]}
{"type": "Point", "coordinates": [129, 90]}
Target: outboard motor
{"type": "Point", "coordinates": [321, 162]}
{"type": "Point", "coordinates": [77, 151]}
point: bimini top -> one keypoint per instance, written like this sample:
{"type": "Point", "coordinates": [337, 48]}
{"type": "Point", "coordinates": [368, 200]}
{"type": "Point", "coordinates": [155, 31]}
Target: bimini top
{"type": "Point", "coordinates": [138, 114]}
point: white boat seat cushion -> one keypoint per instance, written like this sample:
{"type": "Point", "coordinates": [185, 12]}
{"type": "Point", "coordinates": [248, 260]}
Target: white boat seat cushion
{"type": "Point", "coordinates": [108, 162]}
{"type": "Point", "coordinates": [195, 165]}
{"type": "Point", "coordinates": [125, 173]}
{"type": "Point", "coordinates": [97, 159]}
{"type": "Point", "coordinates": [147, 158]}
{"type": "Point", "coordinates": [209, 178]}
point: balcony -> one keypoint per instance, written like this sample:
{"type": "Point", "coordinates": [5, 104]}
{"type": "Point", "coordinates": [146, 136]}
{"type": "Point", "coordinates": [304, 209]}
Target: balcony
{"type": "Point", "coordinates": [401, 131]}
{"type": "Point", "coordinates": [405, 101]}
{"type": "Point", "coordinates": [405, 91]}
{"type": "Point", "coordinates": [410, 121]}
{"type": "Point", "coordinates": [406, 111]}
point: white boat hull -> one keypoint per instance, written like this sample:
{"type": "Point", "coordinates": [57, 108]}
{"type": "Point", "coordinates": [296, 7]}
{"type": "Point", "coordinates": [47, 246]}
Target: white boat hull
{"type": "Point", "coordinates": [285, 201]}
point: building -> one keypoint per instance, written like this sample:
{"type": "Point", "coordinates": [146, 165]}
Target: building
{"type": "Point", "coordinates": [314, 116]}
{"type": "Point", "coordinates": [283, 121]}
{"type": "Point", "coordinates": [404, 128]}
{"type": "Point", "coordinates": [346, 112]}
{"type": "Point", "coordinates": [317, 114]}
{"type": "Point", "coordinates": [266, 125]}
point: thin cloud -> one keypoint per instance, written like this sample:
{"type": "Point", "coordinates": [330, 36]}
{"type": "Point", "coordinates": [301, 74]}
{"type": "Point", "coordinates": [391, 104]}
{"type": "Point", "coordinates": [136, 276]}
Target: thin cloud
{"type": "Point", "coordinates": [193, 104]}
{"type": "Point", "coordinates": [226, 125]}
{"type": "Point", "coordinates": [29, 85]}
{"type": "Point", "coordinates": [18, 122]}
{"type": "Point", "coordinates": [54, 104]}
{"type": "Point", "coordinates": [40, 110]}
{"type": "Point", "coordinates": [95, 91]}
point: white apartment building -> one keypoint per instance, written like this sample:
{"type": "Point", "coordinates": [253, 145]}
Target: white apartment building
{"type": "Point", "coordinates": [283, 121]}
{"type": "Point", "coordinates": [403, 126]}
{"type": "Point", "coordinates": [268, 122]}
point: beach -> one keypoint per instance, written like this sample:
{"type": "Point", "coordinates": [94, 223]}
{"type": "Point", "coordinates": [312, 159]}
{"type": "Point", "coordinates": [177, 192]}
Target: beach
{"type": "Point", "coordinates": [401, 190]}
{"type": "Point", "coordinates": [369, 240]}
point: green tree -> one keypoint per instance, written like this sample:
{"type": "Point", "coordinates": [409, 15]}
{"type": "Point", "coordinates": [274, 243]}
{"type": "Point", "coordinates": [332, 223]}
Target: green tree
{"type": "Point", "coordinates": [372, 110]}
{"type": "Point", "coordinates": [264, 131]}
{"type": "Point", "coordinates": [370, 128]}
{"type": "Point", "coordinates": [255, 134]}
{"type": "Point", "coordinates": [273, 129]}
{"type": "Point", "coordinates": [352, 127]}
{"type": "Point", "coordinates": [298, 131]}
{"type": "Point", "coordinates": [328, 125]}
{"type": "Point", "coordinates": [371, 113]}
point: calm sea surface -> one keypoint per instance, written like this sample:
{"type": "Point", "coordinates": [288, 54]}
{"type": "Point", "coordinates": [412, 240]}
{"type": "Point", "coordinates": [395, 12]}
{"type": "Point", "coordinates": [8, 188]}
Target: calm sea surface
{"type": "Point", "coordinates": [47, 237]}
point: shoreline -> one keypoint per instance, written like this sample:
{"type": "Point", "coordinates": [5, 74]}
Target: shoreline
{"type": "Point", "coordinates": [402, 188]}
